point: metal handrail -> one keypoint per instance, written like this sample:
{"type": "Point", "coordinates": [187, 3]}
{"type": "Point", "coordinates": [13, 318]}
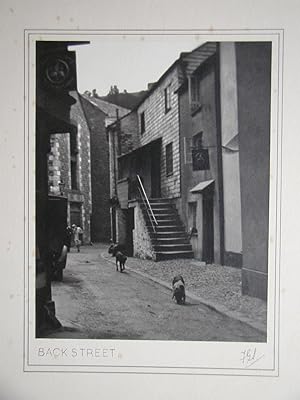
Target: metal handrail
{"type": "Point", "coordinates": [147, 202]}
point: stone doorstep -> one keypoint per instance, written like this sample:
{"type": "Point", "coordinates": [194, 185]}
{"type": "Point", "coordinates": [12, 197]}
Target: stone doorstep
{"type": "Point", "coordinates": [221, 309]}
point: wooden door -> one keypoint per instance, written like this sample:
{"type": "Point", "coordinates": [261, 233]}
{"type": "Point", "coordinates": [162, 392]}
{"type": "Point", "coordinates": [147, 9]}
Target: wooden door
{"type": "Point", "coordinates": [208, 229]}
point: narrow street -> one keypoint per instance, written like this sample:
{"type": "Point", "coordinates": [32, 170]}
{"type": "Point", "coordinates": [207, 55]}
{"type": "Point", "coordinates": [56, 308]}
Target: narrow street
{"type": "Point", "coordinates": [95, 301]}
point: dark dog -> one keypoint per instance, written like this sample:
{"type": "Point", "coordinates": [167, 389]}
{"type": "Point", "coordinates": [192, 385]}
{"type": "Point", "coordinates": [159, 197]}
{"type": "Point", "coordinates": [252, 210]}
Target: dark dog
{"type": "Point", "coordinates": [178, 286]}
{"type": "Point", "coordinates": [120, 261]}
{"type": "Point", "coordinates": [114, 248]}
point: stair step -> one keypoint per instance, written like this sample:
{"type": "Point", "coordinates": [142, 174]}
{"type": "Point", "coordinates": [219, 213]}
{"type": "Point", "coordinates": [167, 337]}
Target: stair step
{"type": "Point", "coordinates": [168, 228]}
{"type": "Point", "coordinates": [165, 210]}
{"type": "Point", "coordinates": [171, 241]}
{"type": "Point", "coordinates": [163, 216]}
{"type": "Point", "coordinates": [162, 200]}
{"type": "Point", "coordinates": [172, 247]}
{"type": "Point", "coordinates": [161, 206]}
{"type": "Point", "coordinates": [166, 222]}
{"type": "Point", "coordinates": [168, 235]}
{"type": "Point", "coordinates": [169, 255]}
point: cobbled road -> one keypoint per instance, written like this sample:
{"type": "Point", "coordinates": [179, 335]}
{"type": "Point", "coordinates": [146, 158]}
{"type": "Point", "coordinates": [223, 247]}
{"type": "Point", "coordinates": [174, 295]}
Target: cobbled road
{"type": "Point", "coordinates": [95, 301]}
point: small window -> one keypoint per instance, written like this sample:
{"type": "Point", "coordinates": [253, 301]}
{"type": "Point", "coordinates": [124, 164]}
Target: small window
{"type": "Point", "coordinates": [142, 122]}
{"type": "Point", "coordinates": [167, 98]}
{"type": "Point", "coordinates": [169, 159]}
{"type": "Point", "coordinates": [195, 96]}
{"type": "Point", "coordinates": [197, 141]}
{"type": "Point", "coordinates": [195, 89]}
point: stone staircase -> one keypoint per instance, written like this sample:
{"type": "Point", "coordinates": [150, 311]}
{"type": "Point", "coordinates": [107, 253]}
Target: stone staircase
{"type": "Point", "coordinates": [169, 239]}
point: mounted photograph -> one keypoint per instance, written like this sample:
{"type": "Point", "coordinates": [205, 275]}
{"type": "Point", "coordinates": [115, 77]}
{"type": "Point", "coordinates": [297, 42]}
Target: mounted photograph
{"type": "Point", "coordinates": [152, 188]}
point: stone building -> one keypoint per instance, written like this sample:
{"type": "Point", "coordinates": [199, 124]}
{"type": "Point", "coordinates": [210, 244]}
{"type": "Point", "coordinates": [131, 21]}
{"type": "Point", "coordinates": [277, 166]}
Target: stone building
{"type": "Point", "coordinates": [99, 114]}
{"type": "Point", "coordinates": [69, 168]}
{"type": "Point", "coordinates": [198, 146]}
{"type": "Point", "coordinates": [145, 159]}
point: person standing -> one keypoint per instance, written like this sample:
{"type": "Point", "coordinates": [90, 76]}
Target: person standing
{"type": "Point", "coordinates": [77, 231]}
{"type": "Point", "coordinates": [68, 237]}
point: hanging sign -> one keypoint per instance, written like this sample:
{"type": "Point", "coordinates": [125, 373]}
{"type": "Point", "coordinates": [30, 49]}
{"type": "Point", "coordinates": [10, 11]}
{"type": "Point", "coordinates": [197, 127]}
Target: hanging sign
{"type": "Point", "coordinates": [200, 159]}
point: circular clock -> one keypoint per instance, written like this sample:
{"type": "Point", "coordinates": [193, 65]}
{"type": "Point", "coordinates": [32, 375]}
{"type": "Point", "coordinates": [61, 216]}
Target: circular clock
{"type": "Point", "coordinates": [57, 72]}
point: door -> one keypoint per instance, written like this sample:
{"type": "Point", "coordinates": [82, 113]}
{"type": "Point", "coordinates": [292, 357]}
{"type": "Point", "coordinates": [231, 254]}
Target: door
{"type": "Point", "coordinates": [208, 229]}
{"type": "Point", "coordinates": [155, 171]}
{"type": "Point", "coordinates": [129, 229]}
{"type": "Point", "coordinates": [75, 214]}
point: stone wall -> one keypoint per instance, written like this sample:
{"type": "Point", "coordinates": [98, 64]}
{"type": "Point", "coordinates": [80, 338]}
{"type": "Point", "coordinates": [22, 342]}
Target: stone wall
{"type": "Point", "coordinates": [142, 247]}
{"type": "Point", "coordinates": [59, 168]}
{"type": "Point", "coordinates": [121, 226]}
{"type": "Point", "coordinates": [100, 218]}
{"type": "Point", "coordinates": [128, 134]}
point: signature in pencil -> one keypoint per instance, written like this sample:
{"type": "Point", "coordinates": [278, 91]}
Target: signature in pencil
{"type": "Point", "coordinates": [250, 356]}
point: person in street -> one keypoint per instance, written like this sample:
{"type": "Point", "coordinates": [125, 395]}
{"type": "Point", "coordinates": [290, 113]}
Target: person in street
{"type": "Point", "coordinates": [77, 231]}
{"type": "Point", "coordinates": [68, 238]}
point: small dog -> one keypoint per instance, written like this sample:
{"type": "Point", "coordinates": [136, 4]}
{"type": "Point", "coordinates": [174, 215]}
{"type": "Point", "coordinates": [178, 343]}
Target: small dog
{"type": "Point", "coordinates": [178, 286]}
{"type": "Point", "coordinates": [114, 248]}
{"type": "Point", "coordinates": [120, 261]}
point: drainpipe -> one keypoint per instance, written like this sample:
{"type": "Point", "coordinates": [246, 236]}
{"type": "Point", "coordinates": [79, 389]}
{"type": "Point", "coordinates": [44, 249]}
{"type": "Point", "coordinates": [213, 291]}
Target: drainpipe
{"type": "Point", "coordinates": [219, 154]}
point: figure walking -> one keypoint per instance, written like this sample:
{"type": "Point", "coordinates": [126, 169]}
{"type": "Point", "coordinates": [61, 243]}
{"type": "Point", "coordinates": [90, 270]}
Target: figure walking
{"type": "Point", "coordinates": [77, 231]}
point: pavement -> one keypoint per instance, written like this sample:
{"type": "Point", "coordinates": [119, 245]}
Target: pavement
{"type": "Point", "coordinates": [216, 286]}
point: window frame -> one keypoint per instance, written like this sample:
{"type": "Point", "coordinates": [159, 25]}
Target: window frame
{"type": "Point", "coordinates": [167, 97]}
{"type": "Point", "coordinates": [169, 159]}
{"type": "Point", "coordinates": [142, 122]}
{"type": "Point", "coordinates": [195, 93]}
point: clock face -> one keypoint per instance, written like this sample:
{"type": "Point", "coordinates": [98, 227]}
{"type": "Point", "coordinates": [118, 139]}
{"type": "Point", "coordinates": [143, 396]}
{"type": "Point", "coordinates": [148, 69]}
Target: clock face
{"type": "Point", "coordinates": [57, 72]}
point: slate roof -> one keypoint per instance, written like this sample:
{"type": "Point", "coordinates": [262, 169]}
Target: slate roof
{"type": "Point", "coordinates": [107, 108]}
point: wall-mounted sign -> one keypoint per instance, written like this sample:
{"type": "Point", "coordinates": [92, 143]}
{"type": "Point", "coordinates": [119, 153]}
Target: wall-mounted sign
{"type": "Point", "coordinates": [200, 159]}
{"type": "Point", "coordinates": [58, 71]}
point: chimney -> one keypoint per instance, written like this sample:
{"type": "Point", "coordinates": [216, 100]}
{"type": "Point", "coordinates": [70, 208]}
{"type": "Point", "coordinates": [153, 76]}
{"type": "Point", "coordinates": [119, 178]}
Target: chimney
{"type": "Point", "coordinates": [150, 85]}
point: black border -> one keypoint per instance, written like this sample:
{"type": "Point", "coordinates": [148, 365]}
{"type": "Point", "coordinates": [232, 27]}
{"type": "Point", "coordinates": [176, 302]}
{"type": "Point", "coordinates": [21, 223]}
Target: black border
{"type": "Point", "coordinates": [278, 202]}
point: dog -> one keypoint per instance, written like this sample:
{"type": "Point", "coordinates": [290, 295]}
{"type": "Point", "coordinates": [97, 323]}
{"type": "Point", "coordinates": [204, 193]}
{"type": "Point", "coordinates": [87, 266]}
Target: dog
{"type": "Point", "coordinates": [114, 248]}
{"type": "Point", "coordinates": [178, 287]}
{"type": "Point", "coordinates": [120, 261]}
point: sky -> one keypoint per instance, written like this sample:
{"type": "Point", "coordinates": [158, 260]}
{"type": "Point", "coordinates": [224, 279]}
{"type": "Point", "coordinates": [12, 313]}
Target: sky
{"type": "Point", "coordinates": [128, 61]}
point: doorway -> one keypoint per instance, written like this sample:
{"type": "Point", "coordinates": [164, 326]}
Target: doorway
{"type": "Point", "coordinates": [208, 228]}
{"type": "Point", "coordinates": [155, 170]}
{"type": "Point", "coordinates": [75, 213]}
{"type": "Point", "coordinates": [129, 229]}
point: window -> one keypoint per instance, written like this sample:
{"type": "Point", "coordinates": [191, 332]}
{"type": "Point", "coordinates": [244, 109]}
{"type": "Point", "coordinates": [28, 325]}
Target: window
{"type": "Point", "coordinates": [197, 141]}
{"type": "Point", "coordinates": [167, 92]}
{"type": "Point", "coordinates": [73, 161]}
{"type": "Point", "coordinates": [194, 90]}
{"type": "Point", "coordinates": [142, 122]}
{"type": "Point", "coordinates": [169, 159]}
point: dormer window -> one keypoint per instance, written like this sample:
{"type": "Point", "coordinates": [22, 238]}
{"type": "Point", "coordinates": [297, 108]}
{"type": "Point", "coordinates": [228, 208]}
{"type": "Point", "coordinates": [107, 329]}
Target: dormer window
{"type": "Point", "coordinates": [142, 122]}
{"type": "Point", "coordinates": [167, 93]}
